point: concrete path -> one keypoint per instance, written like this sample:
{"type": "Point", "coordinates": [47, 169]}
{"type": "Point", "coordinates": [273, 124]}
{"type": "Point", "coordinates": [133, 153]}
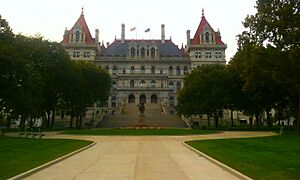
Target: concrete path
{"type": "Point", "coordinates": [140, 158]}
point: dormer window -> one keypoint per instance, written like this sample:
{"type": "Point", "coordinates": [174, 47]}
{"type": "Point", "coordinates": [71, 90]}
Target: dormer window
{"type": "Point", "coordinates": [152, 52]}
{"type": "Point", "coordinates": [207, 37]}
{"type": "Point", "coordinates": [77, 36]}
{"type": "Point", "coordinates": [132, 52]}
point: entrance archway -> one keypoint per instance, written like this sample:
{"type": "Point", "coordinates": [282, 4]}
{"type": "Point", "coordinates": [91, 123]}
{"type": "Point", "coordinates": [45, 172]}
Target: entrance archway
{"type": "Point", "coordinates": [153, 98]}
{"type": "Point", "coordinates": [131, 98]}
{"type": "Point", "coordinates": [143, 98]}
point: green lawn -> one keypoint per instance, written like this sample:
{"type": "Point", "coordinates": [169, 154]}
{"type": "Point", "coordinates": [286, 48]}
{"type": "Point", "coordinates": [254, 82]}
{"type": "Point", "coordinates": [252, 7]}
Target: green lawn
{"type": "Point", "coordinates": [139, 132]}
{"type": "Point", "coordinates": [19, 154]}
{"type": "Point", "coordinates": [276, 157]}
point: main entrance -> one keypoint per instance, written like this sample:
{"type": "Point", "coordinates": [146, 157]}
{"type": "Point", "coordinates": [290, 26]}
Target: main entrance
{"type": "Point", "coordinates": [143, 98]}
{"type": "Point", "coordinates": [131, 98]}
{"type": "Point", "coordinates": [153, 98]}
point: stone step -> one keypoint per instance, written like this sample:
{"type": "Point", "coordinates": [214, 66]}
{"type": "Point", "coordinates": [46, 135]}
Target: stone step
{"type": "Point", "coordinates": [153, 117]}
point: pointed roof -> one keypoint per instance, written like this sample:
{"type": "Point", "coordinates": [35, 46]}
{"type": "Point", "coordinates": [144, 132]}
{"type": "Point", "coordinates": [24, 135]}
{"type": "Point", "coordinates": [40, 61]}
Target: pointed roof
{"type": "Point", "coordinates": [81, 23]}
{"type": "Point", "coordinates": [204, 23]}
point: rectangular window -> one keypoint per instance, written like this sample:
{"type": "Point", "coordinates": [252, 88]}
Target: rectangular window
{"type": "Point", "coordinates": [197, 54]}
{"type": "Point", "coordinates": [78, 53]}
{"type": "Point", "coordinates": [218, 54]}
{"type": "Point", "coordinates": [74, 54]}
{"type": "Point", "coordinates": [208, 54]}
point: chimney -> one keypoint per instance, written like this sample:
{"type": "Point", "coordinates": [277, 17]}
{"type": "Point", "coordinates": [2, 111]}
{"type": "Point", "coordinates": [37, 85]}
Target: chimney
{"type": "Point", "coordinates": [96, 36]}
{"type": "Point", "coordinates": [123, 33]}
{"type": "Point", "coordinates": [188, 37]}
{"type": "Point", "coordinates": [163, 41]}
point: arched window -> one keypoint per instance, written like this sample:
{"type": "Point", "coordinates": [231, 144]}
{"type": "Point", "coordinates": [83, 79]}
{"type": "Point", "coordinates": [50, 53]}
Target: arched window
{"type": "Point", "coordinates": [77, 36]}
{"type": "Point", "coordinates": [170, 70]}
{"type": "Point", "coordinates": [132, 84]}
{"type": "Point", "coordinates": [177, 70]}
{"type": "Point", "coordinates": [142, 69]}
{"type": "Point", "coordinates": [171, 86]}
{"type": "Point", "coordinates": [132, 69]}
{"type": "Point", "coordinates": [178, 84]}
{"type": "Point", "coordinates": [153, 52]}
{"type": "Point", "coordinates": [143, 52]}
{"type": "Point", "coordinates": [171, 101]}
{"type": "Point", "coordinates": [152, 70]}
{"type": "Point", "coordinates": [143, 83]}
{"type": "Point", "coordinates": [132, 52]}
{"type": "Point", "coordinates": [207, 37]}
{"type": "Point", "coordinates": [185, 70]}
{"type": "Point", "coordinates": [114, 70]}
{"type": "Point", "coordinates": [114, 85]}
{"type": "Point", "coordinates": [153, 84]}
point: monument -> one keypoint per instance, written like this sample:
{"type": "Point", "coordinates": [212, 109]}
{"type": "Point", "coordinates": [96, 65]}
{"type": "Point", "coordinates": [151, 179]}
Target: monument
{"type": "Point", "coordinates": [141, 116]}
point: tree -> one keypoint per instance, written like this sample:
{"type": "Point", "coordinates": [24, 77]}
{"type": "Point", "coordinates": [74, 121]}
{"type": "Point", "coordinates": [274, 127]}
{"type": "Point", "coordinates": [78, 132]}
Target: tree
{"type": "Point", "coordinates": [205, 92]}
{"type": "Point", "coordinates": [277, 23]}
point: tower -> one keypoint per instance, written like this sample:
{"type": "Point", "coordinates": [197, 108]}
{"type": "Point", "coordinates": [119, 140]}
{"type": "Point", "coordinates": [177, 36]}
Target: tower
{"type": "Point", "coordinates": [78, 41]}
{"type": "Point", "coordinates": [206, 47]}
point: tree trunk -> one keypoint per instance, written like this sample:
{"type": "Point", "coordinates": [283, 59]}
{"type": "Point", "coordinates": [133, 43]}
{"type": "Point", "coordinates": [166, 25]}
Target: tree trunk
{"type": "Point", "coordinates": [298, 114]}
{"type": "Point", "coordinates": [257, 120]}
{"type": "Point", "coordinates": [53, 118]}
{"type": "Point", "coordinates": [208, 120]}
{"type": "Point", "coordinates": [48, 118]}
{"type": "Point", "coordinates": [231, 117]}
{"type": "Point", "coordinates": [251, 120]}
{"type": "Point", "coordinates": [269, 120]}
{"type": "Point", "coordinates": [8, 122]}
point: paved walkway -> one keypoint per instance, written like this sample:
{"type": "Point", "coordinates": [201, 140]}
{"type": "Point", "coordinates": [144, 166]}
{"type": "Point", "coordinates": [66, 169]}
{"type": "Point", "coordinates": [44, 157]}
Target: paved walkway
{"type": "Point", "coordinates": [139, 158]}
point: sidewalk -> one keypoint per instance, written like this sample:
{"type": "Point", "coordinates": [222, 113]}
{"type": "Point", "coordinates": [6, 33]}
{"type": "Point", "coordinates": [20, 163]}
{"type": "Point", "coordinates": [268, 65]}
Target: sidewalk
{"type": "Point", "coordinates": [144, 157]}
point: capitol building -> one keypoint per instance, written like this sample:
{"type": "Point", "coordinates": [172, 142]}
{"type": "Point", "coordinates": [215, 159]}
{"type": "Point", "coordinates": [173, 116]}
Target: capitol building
{"type": "Point", "coordinates": [148, 71]}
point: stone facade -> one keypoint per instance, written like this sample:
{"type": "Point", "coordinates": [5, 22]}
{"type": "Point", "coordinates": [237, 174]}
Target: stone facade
{"type": "Point", "coordinates": [150, 71]}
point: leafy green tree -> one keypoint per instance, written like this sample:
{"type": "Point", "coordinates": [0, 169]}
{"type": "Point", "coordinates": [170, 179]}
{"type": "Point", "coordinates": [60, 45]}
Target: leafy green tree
{"type": "Point", "coordinates": [205, 92]}
{"type": "Point", "coordinates": [277, 23]}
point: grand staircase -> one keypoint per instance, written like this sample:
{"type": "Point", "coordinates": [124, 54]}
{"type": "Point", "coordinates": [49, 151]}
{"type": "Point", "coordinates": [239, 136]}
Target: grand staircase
{"type": "Point", "coordinates": [153, 118]}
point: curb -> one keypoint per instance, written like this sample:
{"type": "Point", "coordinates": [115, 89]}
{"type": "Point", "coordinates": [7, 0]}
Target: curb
{"type": "Point", "coordinates": [218, 163]}
{"type": "Point", "coordinates": [43, 166]}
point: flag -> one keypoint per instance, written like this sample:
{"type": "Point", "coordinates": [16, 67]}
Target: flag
{"type": "Point", "coordinates": [147, 30]}
{"type": "Point", "coordinates": [132, 29]}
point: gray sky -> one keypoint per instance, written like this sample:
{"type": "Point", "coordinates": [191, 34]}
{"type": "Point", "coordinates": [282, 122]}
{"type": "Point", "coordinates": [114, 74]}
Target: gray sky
{"type": "Point", "coordinates": [51, 17]}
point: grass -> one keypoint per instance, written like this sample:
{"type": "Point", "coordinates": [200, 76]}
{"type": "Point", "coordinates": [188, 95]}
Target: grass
{"type": "Point", "coordinates": [18, 155]}
{"type": "Point", "coordinates": [139, 132]}
{"type": "Point", "coordinates": [276, 157]}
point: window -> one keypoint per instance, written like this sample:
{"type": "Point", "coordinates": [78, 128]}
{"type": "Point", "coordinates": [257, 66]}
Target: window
{"type": "Point", "coordinates": [171, 101]}
{"type": "Point", "coordinates": [132, 52]}
{"type": "Point", "coordinates": [142, 69]}
{"type": "Point", "coordinates": [177, 70]}
{"type": "Point", "coordinates": [132, 84]}
{"type": "Point", "coordinates": [143, 52]}
{"type": "Point", "coordinates": [113, 104]}
{"type": "Point", "coordinates": [178, 84]}
{"type": "Point", "coordinates": [152, 52]}
{"type": "Point", "coordinates": [185, 70]}
{"type": "Point", "coordinates": [171, 86]}
{"type": "Point", "coordinates": [132, 69]}
{"type": "Point", "coordinates": [198, 67]}
{"type": "Point", "coordinates": [153, 84]}
{"type": "Point", "coordinates": [76, 53]}
{"type": "Point", "coordinates": [86, 54]}
{"type": "Point", "coordinates": [218, 54]}
{"type": "Point", "coordinates": [161, 71]}
{"type": "Point", "coordinates": [143, 83]}
{"type": "Point", "coordinates": [152, 70]}
{"type": "Point", "coordinates": [197, 54]}
{"type": "Point", "coordinates": [208, 54]}
{"type": "Point", "coordinates": [107, 68]}
{"type": "Point", "coordinates": [114, 70]}
{"type": "Point", "coordinates": [170, 70]}
{"type": "Point", "coordinates": [202, 38]}
{"type": "Point", "coordinates": [114, 85]}
{"type": "Point", "coordinates": [124, 71]}
{"type": "Point", "coordinates": [207, 37]}
{"type": "Point", "coordinates": [77, 36]}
